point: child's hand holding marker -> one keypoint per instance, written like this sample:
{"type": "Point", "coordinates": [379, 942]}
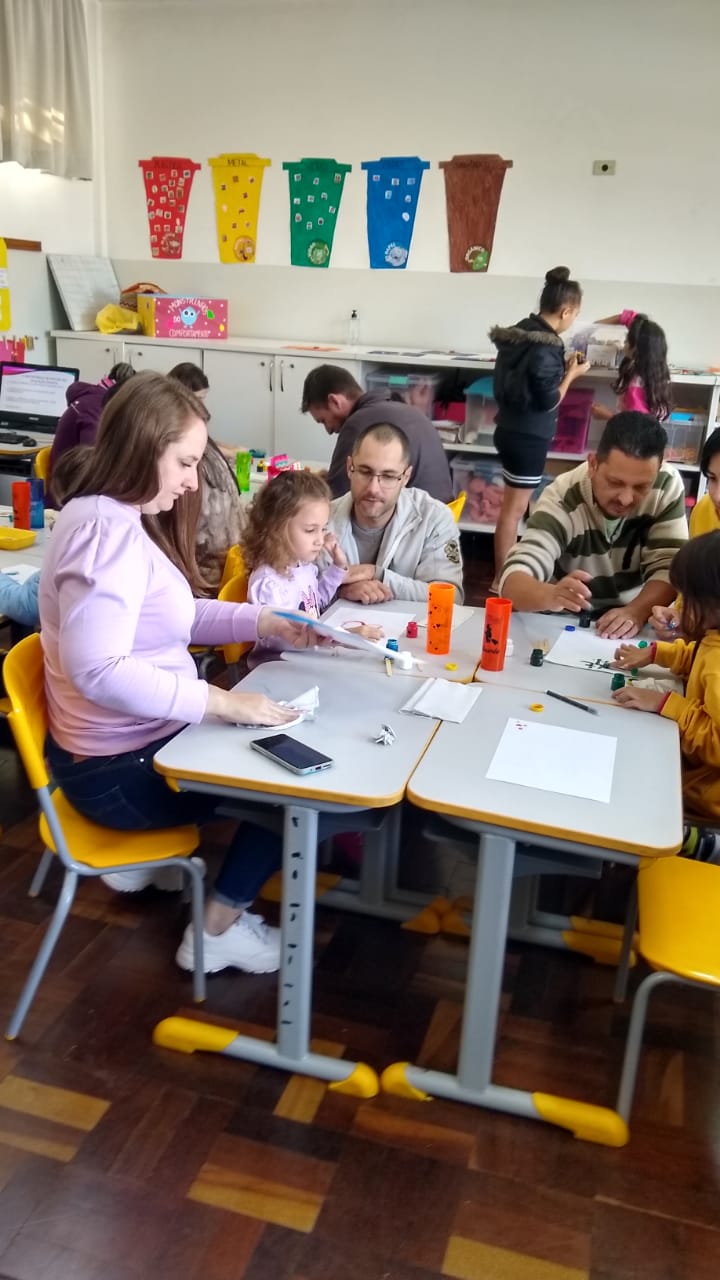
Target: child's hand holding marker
{"type": "Point", "coordinates": [630, 656]}
{"type": "Point", "coordinates": [665, 622]}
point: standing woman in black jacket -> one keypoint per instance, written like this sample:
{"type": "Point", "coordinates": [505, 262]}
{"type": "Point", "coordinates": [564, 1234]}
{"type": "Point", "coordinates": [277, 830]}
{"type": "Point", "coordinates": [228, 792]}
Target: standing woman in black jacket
{"type": "Point", "coordinates": [532, 374]}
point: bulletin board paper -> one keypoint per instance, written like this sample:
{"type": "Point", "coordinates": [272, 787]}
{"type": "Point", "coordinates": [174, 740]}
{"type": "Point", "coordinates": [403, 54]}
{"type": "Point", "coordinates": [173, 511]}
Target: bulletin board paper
{"type": "Point", "coordinates": [548, 757]}
{"type": "Point", "coordinates": [85, 285]}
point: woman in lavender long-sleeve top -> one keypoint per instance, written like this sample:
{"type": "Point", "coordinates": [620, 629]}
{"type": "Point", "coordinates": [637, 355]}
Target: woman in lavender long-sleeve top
{"type": "Point", "coordinates": [117, 614]}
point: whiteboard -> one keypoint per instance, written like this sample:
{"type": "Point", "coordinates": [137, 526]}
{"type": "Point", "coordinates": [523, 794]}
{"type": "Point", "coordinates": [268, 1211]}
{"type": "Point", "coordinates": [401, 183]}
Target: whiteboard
{"type": "Point", "coordinates": [85, 285]}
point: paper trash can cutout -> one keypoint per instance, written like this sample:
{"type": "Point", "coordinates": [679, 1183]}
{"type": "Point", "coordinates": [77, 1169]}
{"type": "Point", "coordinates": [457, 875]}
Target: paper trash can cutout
{"type": "Point", "coordinates": [316, 188]}
{"type": "Point", "coordinates": [237, 181]}
{"type": "Point", "coordinates": [393, 189]}
{"type": "Point", "coordinates": [473, 186]}
{"type": "Point", "coordinates": [168, 181]}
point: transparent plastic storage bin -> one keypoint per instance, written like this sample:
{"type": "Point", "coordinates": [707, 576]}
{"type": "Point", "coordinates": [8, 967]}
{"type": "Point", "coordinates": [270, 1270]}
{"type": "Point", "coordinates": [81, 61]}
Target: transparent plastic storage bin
{"type": "Point", "coordinates": [573, 421]}
{"type": "Point", "coordinates": [685, 432]}
{"type": "Point", "coordinates": [480, 412]}
{"type": "Point", "coordinates": [417, 389]}
{"type": "Point", "coordinates": [483, 483]}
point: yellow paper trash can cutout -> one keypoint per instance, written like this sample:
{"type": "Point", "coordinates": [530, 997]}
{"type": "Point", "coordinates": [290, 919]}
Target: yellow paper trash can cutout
{"type": "Point", "coordinates": [4, 289]}
{"type": "Point", "coordinates": [237, 181]}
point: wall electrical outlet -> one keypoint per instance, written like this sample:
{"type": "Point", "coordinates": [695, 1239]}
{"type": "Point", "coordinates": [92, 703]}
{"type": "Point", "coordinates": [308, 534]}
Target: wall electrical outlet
{"type": "Point", "coordinates": [603, 168]}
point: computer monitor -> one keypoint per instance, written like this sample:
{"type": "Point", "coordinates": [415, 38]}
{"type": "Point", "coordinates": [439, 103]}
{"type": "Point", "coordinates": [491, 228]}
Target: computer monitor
{"type": "Point", "coordinates": [33, 395]}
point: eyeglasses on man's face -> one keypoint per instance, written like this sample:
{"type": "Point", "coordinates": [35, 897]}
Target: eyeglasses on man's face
{"type": "Point", "coordinates": [386, 479]}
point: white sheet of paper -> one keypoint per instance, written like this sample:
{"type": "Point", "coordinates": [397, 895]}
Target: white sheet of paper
{"type": "Point", "coordinates": [461, 613]}
{"type": "Point", "coordinates": [393, 623]}
{"type": "Point", "coordinates": [550, 758]}
{"type": "Point", "coordinates": [443, 700]}
{"type": "Point", "coordinates": [583, 648]}
{"type": "Point", "coordinates": [20, 572]}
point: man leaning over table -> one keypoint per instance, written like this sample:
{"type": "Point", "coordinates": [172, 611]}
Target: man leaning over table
{"type": "Point", "coordinates": [397, 540]}
{"type": "Point", "coordinates": [602, 536]}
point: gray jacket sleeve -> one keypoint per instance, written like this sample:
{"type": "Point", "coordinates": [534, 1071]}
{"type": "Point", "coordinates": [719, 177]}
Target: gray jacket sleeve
{"type": "Point", "coordinates": [440, 561]}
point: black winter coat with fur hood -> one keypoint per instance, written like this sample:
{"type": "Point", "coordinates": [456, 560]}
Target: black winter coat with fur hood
{"type": "Point", "coordinates": [529, 369]}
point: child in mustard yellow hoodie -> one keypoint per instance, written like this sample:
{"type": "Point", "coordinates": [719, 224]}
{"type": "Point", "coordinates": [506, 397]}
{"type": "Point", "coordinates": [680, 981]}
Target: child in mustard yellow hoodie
{"type": "Point", "coordinates": [695, 573]}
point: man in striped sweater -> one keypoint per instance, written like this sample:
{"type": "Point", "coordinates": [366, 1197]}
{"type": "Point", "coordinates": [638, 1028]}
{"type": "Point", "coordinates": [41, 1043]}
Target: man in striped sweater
{"type": "Point", "coordinates": [602, 537]}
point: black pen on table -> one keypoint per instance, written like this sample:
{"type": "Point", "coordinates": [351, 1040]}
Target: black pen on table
{"type": "Point", "coordinates": [571, 702]}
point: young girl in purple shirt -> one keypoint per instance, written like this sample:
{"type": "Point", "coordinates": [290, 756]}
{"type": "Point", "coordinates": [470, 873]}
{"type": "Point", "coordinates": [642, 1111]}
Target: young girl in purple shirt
{"type": "Point", "coordinates": [285, 534]}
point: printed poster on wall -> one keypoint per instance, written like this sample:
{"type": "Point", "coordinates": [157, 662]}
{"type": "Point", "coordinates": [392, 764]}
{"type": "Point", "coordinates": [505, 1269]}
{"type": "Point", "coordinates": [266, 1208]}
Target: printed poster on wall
{"type": "Point", "coordinates": [393, 190]}
{"type": "Point", "coordinates": [316, 187]}
{"type": "Point", "coordinates": [168, 182]}
{"type": "Point", "coordinates": [237, 182]}
{"type": "Point", "coordinates": [473, 186]}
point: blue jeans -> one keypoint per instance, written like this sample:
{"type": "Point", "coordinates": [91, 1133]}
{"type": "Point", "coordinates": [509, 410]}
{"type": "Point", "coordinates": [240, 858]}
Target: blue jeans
{"type": "Point", "coordinates": [126, 793]}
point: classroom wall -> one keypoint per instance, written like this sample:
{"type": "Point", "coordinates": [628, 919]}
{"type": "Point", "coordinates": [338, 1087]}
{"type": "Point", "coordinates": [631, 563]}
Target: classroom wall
{"type": "Point", "coordinates": [552, 86]}
{"type": "Point", "coordinates": [61, 215]}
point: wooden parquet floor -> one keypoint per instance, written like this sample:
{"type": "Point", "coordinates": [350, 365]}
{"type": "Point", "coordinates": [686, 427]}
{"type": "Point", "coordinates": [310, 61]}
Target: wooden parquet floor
{"type": "Point", "coordinates": [119, 1160]}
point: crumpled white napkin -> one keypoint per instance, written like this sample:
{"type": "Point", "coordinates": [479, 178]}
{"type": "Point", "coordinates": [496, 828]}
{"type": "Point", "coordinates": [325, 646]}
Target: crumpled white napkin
{"type": "Point", "coordinates": [305, 703]}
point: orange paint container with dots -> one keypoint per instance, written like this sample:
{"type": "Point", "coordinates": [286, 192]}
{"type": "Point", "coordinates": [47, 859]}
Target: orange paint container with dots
{"type": "Point", "coordinates": [497, 625]}
{"type": "Point", "coordinates": [441, 601]}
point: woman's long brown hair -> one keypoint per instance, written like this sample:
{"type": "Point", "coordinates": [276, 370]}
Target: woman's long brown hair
{"type": "Point", "coordinates": [147, 414]}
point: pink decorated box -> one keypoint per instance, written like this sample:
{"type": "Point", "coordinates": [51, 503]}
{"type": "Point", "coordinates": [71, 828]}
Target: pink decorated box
{"type": "Point", "coordinates": [163, 316]}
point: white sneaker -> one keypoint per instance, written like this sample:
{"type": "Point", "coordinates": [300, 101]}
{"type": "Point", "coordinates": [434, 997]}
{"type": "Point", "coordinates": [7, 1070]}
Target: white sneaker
{"type": "Point", "coordinates": [249, 944]}
{"type": "Point", "coordinates": [169, 879]}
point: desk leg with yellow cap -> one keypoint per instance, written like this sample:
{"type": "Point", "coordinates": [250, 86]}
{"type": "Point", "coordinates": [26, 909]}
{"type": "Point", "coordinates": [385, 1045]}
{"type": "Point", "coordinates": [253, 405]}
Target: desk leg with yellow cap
{"type": "Point", "coordinates": [291, 1052]}
{"type": "Point", "coordinates": [491, 910]}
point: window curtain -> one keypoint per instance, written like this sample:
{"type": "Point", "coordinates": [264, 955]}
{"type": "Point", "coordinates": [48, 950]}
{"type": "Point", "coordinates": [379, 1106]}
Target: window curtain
{"type": "Point", "coordinates": [45, 102]}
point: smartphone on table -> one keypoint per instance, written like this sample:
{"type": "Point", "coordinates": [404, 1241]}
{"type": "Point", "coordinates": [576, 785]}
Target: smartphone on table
{"type": "Point", "coordinates": [291, 754]}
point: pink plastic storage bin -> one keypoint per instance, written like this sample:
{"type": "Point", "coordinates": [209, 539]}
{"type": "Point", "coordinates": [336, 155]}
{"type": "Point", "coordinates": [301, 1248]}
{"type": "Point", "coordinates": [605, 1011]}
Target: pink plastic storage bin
{"type": "Point", "coordinates": [573, 421]}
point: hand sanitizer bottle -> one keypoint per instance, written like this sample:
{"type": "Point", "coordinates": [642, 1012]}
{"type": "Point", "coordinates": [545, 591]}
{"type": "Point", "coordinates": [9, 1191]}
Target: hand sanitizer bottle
{"type": "Point", "coordinates": [353, 329]}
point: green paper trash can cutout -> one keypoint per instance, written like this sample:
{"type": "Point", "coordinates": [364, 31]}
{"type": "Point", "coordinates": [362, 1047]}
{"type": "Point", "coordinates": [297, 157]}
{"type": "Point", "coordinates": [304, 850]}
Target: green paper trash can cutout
{"type": "Point", "coordinates": [316, 188]}
{"type": "Point", "coordinates": [393, 189]}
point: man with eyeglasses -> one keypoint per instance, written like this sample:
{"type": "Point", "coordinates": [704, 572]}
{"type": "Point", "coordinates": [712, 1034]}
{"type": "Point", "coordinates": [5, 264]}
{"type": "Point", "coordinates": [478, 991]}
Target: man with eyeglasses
{"type": "Point", "coordinates": [397, 540]}
{"type": "Point", "coordinates": [334, 399]}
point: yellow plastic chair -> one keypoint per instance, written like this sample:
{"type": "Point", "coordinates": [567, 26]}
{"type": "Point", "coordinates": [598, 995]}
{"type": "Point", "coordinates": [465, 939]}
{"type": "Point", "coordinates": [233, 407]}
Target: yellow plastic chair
{"type": "Point", "coordinates": [41, 464]}
{"type": "Point", "coordinates": [84, 848]}
{"type": "Point", "coordinates": [234, 567]}
{"type": "Point", "coordinates": [235, 590]}
{"type": "Point", "coordinates": [457, 504]}
{"type": "Point", "coordinates": [678, 935]}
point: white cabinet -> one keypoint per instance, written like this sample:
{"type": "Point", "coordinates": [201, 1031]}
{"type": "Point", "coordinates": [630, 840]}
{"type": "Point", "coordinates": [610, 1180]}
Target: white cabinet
{"type": "Point", "coordinates": [297, 433]}
{"type": "Point", "coordinates": [255, 399]}
{"type": "Point", "coordinates": [159, 358]}
{"type": "Point", "coordinates": [94, 359]}
{"type": "Point", "coordinates": [240, 398]}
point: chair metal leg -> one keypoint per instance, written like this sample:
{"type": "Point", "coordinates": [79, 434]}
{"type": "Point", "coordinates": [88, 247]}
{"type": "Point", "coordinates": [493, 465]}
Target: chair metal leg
{"type": "Point", "coordinates": [633, 1044]}
{"type": "Point", "coordinates": [38, 879]}
{"type": "Point", "coordinates": [64, 903]}
{"type": "Point", "coordinates": [623, 969]}
{"type": "Point", "coordinates": [197, 888]}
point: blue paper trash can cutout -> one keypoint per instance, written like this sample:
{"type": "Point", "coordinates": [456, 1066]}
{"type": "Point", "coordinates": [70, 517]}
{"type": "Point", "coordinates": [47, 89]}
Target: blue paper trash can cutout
{"type": "Point", "coordinates": [393, 189]}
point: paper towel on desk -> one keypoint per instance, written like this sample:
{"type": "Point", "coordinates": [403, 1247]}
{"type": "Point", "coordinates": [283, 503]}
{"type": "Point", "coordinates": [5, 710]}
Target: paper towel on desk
{"type": "Point", "coordinates": [443, 700]}
{"type": "Point", "coordinates": [306, 704]}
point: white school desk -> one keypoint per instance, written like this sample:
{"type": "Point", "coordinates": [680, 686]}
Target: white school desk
{"type": "Point", "coordinates": [216, 758]}
{"type": "Point", "coordinates": [465, 641]}
{"type": "Point", "coordinates": [42, 440]}
{"type": "Point", "coordinates": [529, 631]}
{"type": "Point", "coordinates": [643, 819]}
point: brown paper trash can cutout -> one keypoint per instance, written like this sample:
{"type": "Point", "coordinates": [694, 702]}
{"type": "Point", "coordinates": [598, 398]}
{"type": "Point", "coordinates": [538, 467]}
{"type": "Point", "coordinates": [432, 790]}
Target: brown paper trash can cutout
{"type": "Point", "coordinates": [473, 186]}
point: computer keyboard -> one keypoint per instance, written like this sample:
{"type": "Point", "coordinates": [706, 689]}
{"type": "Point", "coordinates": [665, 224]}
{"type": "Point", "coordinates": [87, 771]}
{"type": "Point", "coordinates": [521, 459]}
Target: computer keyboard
{"type": "Point", "coordinates": [10, 437]}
